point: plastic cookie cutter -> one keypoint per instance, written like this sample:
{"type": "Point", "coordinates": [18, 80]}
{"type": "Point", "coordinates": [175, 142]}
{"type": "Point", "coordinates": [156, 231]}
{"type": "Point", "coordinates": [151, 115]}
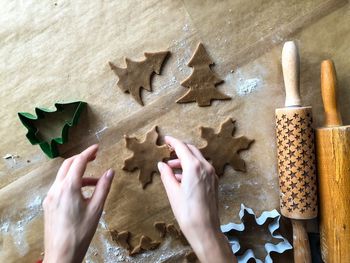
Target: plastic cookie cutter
{"type": "Point", "coordinates": [273, 217]}
{"type": "Point", "coordinates": [50, 127]}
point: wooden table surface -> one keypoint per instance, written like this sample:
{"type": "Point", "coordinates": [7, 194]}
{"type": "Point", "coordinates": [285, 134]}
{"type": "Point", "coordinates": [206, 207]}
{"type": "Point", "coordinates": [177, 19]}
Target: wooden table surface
{"type": "Point", "coordinates": [58, 51]}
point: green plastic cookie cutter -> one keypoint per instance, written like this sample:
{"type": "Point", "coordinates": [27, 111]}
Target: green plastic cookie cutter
{"type": "Point", "coordinates": [66, 115]}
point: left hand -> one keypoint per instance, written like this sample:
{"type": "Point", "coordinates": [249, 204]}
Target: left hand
{"type": "Point", "coordinates": [70, 219]}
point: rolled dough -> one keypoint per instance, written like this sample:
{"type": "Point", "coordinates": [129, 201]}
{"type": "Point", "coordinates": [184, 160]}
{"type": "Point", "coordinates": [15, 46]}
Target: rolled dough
{"type": "Point", "coordinates": [202, 81]}
{"type": "Point", "coordinates": [146, 155]}
{"type": "Point", "coordinates": [222, 148]}
{"type": "Point", "coordinates": [137, 74]}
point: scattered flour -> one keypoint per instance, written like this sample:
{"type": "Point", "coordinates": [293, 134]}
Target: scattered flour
{"type": "Point", "coordinates": [102, 248]}
{"type": "Point", "coordinates": [17, 229]}
{"type": "Point", "coordinates": [186, 28]}
{"type": "Point", "coordinates": [247, 80]}
{"type": "Point", "coordinates": [112, 253]}
{"type": "Point", "coordinates": [182, 51]}
{"type": "Point", "coordinates": [99, 132]}
{"type": "Point", "coordinates": [247, 86]}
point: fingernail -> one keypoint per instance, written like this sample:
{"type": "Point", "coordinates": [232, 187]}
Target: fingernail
{"type": "Point", "coordinates": [110, 174]}
{"type": "Point", "coordinates": [160, 166]}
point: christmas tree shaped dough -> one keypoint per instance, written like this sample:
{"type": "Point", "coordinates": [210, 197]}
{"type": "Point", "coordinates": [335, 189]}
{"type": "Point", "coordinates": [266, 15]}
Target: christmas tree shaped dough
{"type": "Point", "coordinates": [137, 74]}
{"type": "Point", "coordinates": [222, 148]}
{"type": "Point", "coordinates": [202, 81]}
{"type": "Point", "coordinates": [146, 155]}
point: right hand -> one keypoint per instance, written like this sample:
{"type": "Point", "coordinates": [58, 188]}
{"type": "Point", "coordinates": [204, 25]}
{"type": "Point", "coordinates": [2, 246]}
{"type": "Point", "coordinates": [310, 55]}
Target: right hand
{"type": "Point", "coordinates": [193, 196]}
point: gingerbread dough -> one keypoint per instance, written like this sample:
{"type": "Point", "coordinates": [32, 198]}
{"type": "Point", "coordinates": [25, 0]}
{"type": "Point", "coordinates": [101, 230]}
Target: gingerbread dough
{"type": "Point", "coordinates": [146, 155]}
{"type": "Point", "coordinates": [137, 74]}
{"type": "Point", "coordinates": [222, 148]}
{"type": "Point", "coordinates": [191, 257]}
{"type": "Point", "coordinates": [121, 238]}
{"type": "Point", "coordinates": [202, 81]}
{"type": "Point", "coordinates": [161, 228]}
{"type": "Point", "coordinates": [146, 243]}
{"type": "Point", "coordinates": [170, 229]}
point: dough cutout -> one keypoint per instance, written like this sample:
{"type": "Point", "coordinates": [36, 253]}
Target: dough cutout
{"type": "Point", "coordinates": [146, 155]}
{"type": "Point", "coordinates": [191, 257]}
{"type": "Point", "coordinates": [121, 238]}
{"type": "Point", "coordinates": [161, 228]}
{"type": "Point", "coordinates": [146, 243]}
{"type": "Point", "coordinates": [222, 148]}
{"type": "Point", "coordinates": [164, 229]}
{"type": "Point", "coordinates": [137, 74]}
{"type": "Point", "coordinates": [172, 231]}
{"type": "Point", "coordinates": [202, 81]}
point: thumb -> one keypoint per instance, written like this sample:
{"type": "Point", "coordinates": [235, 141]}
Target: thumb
{"type": "Point", "coordinates": [170, 183]}
{"type": "Point", "coordinates": [101, 191]}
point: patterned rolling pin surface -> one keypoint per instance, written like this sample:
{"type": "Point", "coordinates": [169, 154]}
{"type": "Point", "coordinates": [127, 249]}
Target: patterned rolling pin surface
{"type": "Point", "coordinates": [296, 162]}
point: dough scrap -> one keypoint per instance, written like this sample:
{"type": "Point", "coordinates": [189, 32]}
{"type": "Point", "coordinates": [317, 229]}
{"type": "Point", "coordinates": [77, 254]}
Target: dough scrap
{"type": "Point", "coordinates": [172, 230]}
{"type": "Point", "coordinates": [202, 81]}
{"type": "Point", "coordinates": [161, 228]}
{"type": "Point", "coordinates": [137, 74]}
{"type": "Point", "coordinates": [222, 148]}
{"type": "Point", "coordinates": [146, 155]}
{"type": "Point", "coordinates": [191, 257]}
{"type": "Point", "coordinates": [121, 238]}
{"type": "Point", "coordinates": [146, 243]}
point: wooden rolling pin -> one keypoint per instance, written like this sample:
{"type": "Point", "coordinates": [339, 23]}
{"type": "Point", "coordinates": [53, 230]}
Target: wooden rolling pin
{"type": "Point", "coordinates": [333, 162]}
{"type": "Point", "coordinates": [296, 156]}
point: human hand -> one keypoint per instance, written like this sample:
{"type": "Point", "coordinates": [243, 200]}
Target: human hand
{"type": "Point", "coordinates": [70, 219]}
{"type": "Point", "coordinates": [193, 196]}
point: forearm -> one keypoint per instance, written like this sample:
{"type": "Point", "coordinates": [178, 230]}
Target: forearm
{"type": "Point", "coordinates": [212, 247]}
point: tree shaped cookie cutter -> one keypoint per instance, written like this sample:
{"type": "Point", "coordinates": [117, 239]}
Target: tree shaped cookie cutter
{"type": "Point", "coordinates": [281, 247]}
{"type": "Point", "coordinates": [50, 147]}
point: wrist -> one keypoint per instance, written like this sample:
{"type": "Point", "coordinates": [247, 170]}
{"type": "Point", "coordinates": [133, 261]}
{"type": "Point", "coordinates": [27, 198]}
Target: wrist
{"type": "Point", "coordinates": [212, 246]}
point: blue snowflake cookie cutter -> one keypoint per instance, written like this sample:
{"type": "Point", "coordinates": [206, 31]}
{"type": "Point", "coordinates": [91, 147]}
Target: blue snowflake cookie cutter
{"type": "Point", "coordinates": [281, 247]}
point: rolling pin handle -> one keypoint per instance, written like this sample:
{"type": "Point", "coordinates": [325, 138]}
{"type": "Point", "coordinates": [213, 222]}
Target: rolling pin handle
{"type": "Point", "coordinates": [302, 252]}
{"type": "Point", "coordinates": [291, 72]}
{"type": "Point", "coordinates": [329, 96]}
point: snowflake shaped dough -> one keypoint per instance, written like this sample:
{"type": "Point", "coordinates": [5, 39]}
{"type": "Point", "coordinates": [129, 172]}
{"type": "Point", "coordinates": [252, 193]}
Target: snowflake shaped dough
{"type": "Point", "coordinates": [146, 155]}
{"type": "Point", "coordinates": [222, 148]}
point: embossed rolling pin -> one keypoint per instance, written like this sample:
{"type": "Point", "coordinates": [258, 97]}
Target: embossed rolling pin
{"type": "Point", "coordinates": [333, 163]}
{"type": "Point", "coordinates": [296, 156]}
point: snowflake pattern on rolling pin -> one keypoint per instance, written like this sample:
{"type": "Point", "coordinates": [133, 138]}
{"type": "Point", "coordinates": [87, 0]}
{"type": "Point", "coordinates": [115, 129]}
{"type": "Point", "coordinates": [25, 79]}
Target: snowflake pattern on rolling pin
{"type": "Point", "coordinates": [296, 163]}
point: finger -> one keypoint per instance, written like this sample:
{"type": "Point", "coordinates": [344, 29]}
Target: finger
{"type": "Point", "coordinates": [64, 168]}
{"type": "Point", "coordinates": [100, 194]}
{"type": "Point", "coordinates": [197, 153]}
{"type": "Point", "coordinates": [178, 177]}
{"type": "Point", "coordinates": [174, 164]}
{"type": "Point", "coordinates": [89, 181]}
{"type": "Point", "coordinates": [77, 169]}
{"type": "Point", "coordinates": [183, 153]}
{"type": "Point", "coordinates": [169, 180]}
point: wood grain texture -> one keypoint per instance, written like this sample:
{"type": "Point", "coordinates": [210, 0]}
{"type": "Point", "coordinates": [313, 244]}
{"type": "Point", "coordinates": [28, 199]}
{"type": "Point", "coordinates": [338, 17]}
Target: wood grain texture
{"type": "Point", "coordinates": [329, 94]}
{"type": "Point", "coordinates": [291, 73]}
{"type": "Point", "coordinates": [333, 149]}
{"type": "Point", "coordinates": [296, 155]}
{"type": "Point", "coordinates": [302, 253]}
